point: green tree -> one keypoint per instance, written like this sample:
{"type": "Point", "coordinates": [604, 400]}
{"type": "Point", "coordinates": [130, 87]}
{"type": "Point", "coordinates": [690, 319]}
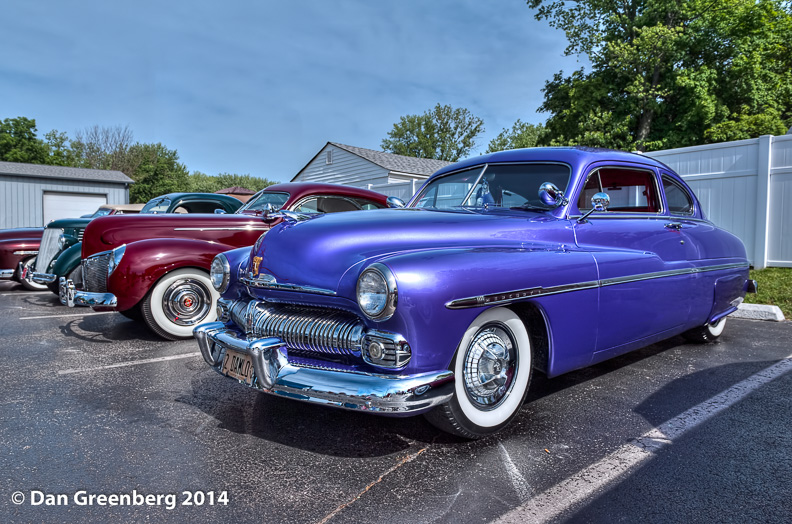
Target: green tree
{"type": "Point", "coordinates": [520, 135]}
{"type": "Point", "coordinates": [442, 133]}
{"type": "Point", "coordinates": [203, 183]}
{"type": "Point", "coordinates": [19, 143]}
{"type": "Point", "coordinates": [669, 73]}
{"type": "Point", "coordinates": [158, 172]}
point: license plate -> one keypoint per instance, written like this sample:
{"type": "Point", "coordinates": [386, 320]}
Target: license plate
{"type": "Point", "coordinates": [238, 365]}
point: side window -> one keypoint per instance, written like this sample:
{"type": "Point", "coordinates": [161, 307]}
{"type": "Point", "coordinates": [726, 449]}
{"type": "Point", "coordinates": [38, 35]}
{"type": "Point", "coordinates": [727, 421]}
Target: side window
{"type": "Point", "coordinates": [679, 200]}
{"type": "Point", "coordinates": [368, 204]}
{"type": "Point", "coordinates": [630, 190]}
{"type": "Point", "coordinates": [310, 205]}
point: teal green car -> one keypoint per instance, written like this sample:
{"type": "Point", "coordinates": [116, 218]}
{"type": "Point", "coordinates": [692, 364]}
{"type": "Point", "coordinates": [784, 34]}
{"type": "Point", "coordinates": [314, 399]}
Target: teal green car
{"type": "Point", "coordinates": [61, 245]}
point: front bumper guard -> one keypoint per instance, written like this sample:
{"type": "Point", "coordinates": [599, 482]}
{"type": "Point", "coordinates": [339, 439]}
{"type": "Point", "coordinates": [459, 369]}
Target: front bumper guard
{"type": "Point", "coordinates": [70, 296]}
{"type": "Point", "coordinates": [43, 278]}
{"type": "Point", "coordinates": [7, 273]}
{"type": "Point", "coordinates": [352, 390]}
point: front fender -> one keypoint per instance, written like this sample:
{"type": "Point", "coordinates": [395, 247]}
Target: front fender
{"type": "Point", "coordinates": [146, 261]}
{"type": "Point", "coordinates": [67, 261]}
{"type": "Point", "coordinates": [430, 282]}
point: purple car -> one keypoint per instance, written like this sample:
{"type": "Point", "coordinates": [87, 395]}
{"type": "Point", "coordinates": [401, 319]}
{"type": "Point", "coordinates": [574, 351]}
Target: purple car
{"type": "Point", "coordinates": [545, 259]}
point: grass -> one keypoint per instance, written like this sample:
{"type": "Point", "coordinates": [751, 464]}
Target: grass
{"type": "Point", "coordinates": [775, 288]}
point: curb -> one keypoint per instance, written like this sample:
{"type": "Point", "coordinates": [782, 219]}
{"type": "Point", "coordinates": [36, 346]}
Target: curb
{"type": "Point", "coordinates": [758, 312]}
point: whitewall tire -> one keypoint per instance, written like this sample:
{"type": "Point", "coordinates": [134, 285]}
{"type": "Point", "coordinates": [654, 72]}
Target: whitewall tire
{"type": "Point", "coordinates": [492, 372]}
{"type": "Point", "coordinates": [706, 333]}
{"type": "Point", "coordinates": [28, 283]}
{"type": "Point", "coordinates": [178, 302]}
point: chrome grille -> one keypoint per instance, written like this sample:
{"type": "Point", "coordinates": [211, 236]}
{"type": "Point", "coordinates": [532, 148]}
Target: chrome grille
{"type": "Point", "coordinates": [80, 233]}
{"type": "Point", "coordinates": [48, 249]}
{"type": "Point", "coordinates": [94, 272]}
{"type": "Point", "coordinates": [312, 329]}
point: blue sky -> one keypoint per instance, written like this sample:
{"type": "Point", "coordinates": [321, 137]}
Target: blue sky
{"type": "Point", "coordinates": [258, 87]}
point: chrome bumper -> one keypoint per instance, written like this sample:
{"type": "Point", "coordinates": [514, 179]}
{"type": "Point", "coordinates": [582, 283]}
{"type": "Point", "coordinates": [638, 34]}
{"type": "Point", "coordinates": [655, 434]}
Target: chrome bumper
{"type": "Point", "coordinates": [7, 273]}
{"type": "Point", "coordinates": [69, 296]}
{"type": "Point", "coordinates": [359, 391]}
{"type": "Point", "coordinates": [43, 278]}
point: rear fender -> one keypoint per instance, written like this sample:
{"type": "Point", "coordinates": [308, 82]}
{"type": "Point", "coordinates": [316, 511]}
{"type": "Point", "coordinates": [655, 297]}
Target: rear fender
{"type": "Point", "coordinates": [146, 261]}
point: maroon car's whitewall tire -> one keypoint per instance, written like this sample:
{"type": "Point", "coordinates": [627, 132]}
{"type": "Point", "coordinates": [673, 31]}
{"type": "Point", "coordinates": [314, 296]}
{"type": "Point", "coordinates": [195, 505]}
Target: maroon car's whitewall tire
{"type": "Point", "coordinates": [178, 302]}
{"type": "Point", "coordinates": [492, 370]}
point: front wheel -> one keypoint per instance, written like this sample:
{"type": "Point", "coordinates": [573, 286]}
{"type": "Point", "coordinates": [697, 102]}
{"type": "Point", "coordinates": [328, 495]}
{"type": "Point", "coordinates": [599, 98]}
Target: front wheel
{"type": "Point", "coordinates": [178, 302]}
{"type": "Point", "coordinates": [707, 332]}
{"type": "Point", "coordinates": [28, 283]}
{"type": "Point", "coordinates": [492, 369]}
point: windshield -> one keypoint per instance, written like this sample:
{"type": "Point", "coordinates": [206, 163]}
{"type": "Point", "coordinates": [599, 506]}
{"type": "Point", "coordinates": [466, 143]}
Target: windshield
{"type": "Point", "coordinates": [102, 211]}
{"type": "Point", "coordinates": [495, 185]}
{"type": "Point", "coordinates": [156, 205]}
{"type": "Point", "coordinates": [266, 200]}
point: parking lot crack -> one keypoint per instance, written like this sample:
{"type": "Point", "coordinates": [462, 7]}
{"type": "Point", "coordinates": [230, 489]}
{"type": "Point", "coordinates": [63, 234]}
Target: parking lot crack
{"type": "Point", "coordinates": [395, 467]}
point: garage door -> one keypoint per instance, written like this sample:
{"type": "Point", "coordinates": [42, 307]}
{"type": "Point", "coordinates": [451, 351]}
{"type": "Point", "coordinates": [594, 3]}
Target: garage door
{"type": "Point", "coordinates": [70, 205]}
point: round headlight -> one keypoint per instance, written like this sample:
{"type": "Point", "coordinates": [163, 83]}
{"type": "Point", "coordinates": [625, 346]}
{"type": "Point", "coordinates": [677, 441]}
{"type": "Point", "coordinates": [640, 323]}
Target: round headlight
{"type": "Point", "coordinates": [220, 272]}
{"type": "Point", "coordinates": [61, 242]}
{"type": "Point", "coordinates": [376, 292]}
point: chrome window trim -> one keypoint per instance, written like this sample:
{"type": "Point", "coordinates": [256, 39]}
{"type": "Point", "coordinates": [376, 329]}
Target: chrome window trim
{"type": "Point", "coordinates": [485, 165]}
{"type": "Point", "coordinates": [329, 195]}
{"type": "Point", "coordinates": [661, 201]}
{"type": "Point", "coordinates": [507, 297]}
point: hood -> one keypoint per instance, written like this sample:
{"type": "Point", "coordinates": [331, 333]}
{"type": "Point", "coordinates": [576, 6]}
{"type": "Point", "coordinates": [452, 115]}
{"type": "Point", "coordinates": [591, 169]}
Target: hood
{"type": "Point", "coordinates": [109, 232]}
{"type": "Point", "coordinates": [21, 233]}
{"type": "Point", "coordinates": [65, 223]}
{"type": "Point", "coordinates": [320, 251]}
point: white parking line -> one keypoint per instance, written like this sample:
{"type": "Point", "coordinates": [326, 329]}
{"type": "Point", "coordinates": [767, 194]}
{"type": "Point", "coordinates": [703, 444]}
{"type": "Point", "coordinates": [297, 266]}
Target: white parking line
{"type": "Point", "coordinates": [130, 363]}
{"type": "Point", "coordinates": [24, 293]}
{"type": "Point", "coordinates": [581, 486]}
{"type": "Point", "coordinates": [69, 315]}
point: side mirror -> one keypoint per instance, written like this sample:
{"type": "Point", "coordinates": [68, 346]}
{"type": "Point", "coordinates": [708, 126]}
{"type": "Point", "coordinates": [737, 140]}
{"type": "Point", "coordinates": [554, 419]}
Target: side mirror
{"type": "Point", "coordinates": [219, 211]}
{"type": "Point", "coordinates": [395, 202]}
{"type": "Point", "coordinates": [599, 202]}
{"type": "Point", "coordinates": [551, 196]}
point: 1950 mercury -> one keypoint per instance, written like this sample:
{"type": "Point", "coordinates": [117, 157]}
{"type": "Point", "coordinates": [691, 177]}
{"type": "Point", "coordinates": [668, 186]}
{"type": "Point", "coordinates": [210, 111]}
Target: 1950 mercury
{"type": "Point", "coordinates": [547, 259]}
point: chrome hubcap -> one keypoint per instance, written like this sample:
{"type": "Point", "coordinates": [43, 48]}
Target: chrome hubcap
{"type": "Point", "coordinates": [490, 366]}
{"type": "Point", "coordinates": [186, 302]}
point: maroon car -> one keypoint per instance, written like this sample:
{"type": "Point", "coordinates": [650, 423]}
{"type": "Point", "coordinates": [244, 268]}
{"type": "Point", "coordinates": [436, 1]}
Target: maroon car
{"type": "Point", "coordinates": [157, 267]}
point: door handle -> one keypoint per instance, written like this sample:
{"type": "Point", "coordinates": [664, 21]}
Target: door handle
{"type": "Point", "coordinates": [673, 225]}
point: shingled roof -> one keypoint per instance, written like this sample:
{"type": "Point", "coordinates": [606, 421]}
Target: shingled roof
{"type": "Point", "coordinates": [397, 163]}
{"type": "Point", "coordinates": [63, 173]}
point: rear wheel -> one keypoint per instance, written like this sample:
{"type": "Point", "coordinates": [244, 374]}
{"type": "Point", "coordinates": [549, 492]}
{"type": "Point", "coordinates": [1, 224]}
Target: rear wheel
{"type": "Point", "coordinates": [178, 302]}
{"type": "Point", "coordinates": [28, 283]}
{"type": "Point", "coordinates": [707, 332]}
{"type": "Point", "coordinates": [492, 369]}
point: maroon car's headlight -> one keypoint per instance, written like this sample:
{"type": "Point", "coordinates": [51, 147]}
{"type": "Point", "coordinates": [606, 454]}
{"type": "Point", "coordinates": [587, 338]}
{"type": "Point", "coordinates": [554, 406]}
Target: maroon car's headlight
{"type": "Point", "coordinates": [220, 273]}
{"type": "Point", "coordinates": [376, 292]}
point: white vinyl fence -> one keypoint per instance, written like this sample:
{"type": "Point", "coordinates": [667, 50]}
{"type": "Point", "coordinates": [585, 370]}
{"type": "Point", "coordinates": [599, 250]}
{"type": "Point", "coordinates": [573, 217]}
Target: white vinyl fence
{"type": "Point", "coordinates": [746, 188]}
{"type": "Point", "coordinates": [403, 190]}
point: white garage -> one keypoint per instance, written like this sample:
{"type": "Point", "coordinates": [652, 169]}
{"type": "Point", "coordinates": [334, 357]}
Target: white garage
{"type": "Point", "coordinates": [70, 205]}
{"type": "Point", "coordinates": [31, 195]}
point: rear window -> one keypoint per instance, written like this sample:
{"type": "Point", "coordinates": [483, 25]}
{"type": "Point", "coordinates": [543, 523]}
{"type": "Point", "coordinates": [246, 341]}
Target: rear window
{"type": "Point", "coordinates": [678, 199]}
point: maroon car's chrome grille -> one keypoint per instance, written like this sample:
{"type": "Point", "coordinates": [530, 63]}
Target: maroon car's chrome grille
{"type": "Point", "coordinates": [94, 270]}
{"type": "Point", "coordinates": [317, 330]}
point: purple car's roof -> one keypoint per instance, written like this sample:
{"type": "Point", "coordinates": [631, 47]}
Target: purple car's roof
{"type": "Point", "coordinates": [576, 156]}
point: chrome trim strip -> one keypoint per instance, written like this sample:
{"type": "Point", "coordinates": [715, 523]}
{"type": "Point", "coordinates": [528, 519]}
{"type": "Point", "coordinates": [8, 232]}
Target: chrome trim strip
{"type": "Point", "coordinates": [263, 284]}
{"type": "Point", "coordinates": [520, 294]}
{"type": "Point", "coordinates": [352, 390]}
{"type": "Point", "coordinates": [221, 228]}
{"type": "Point", "coordinates": [26, 252]}
{"type": "Point", "coordinates": [43, 278]}
{"type": "Point", "coordinates": [7, 273]}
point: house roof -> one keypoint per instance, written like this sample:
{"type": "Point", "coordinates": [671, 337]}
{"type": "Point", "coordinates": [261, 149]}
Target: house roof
{"type": "Point", "coordinates": [65, 173]}
{"type": "Point", "coordinates": [235, 190]}
{"type": "Point", "coordinates": [398, 163]}
{"type": "Point", "coordinates": [389, 161]}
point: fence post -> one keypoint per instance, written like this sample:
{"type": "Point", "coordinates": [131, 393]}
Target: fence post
{"type": "Point", "coordinates": [762, 201]}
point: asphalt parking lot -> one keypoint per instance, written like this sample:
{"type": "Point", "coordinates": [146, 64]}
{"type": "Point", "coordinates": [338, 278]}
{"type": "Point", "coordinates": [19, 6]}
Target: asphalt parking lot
{"type": "Point", "coordinates": [95, 404]}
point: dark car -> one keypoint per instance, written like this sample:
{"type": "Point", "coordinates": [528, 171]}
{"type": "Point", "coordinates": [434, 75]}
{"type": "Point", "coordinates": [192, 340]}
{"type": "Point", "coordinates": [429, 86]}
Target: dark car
{"type": "Point", "coordinates": [157, 267]}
